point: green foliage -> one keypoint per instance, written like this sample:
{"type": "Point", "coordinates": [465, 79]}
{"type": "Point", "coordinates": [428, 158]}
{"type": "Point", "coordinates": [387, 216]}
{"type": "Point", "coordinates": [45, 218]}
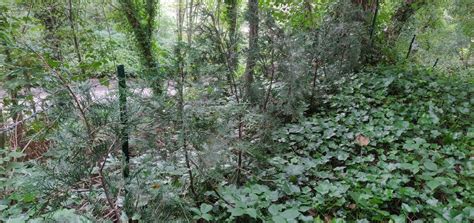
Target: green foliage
{"type": "Point", "coordinates": [25, 202]}
{"type": "Point", "coordinates": [203, 212]}
{"type": "Point", "coordinates": [441, 35]}
{"type": "Point", "coordinates": [297, 14]}
{"type": "Point", "coordinates": [320, 143]}
{"type": "Point", "coordinates": [416, 164]}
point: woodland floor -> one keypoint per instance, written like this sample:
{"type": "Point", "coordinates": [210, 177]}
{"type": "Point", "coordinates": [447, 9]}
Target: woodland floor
{"type": "Point", "coordinates": [97, 91]}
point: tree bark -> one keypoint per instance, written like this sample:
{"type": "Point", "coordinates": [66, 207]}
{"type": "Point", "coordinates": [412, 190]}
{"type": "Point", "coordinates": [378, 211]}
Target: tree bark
{"type": "Point", "coordinates": [2, 133]}
{"type": "Point", "coordinates": [253, 49]}
{"type": "Point", "coordinates": [231, 14]}
{"type": "Point", "coordinates": [232, 57]}
{"type": "Point", "coordinates": [181, 80]}
{"type": "Point", "coordinates": [143, 33]}
{"type": "Point", "coordinates": [74, 35]}
{"type": "Point", "coordinates": [374, 22]}
{"type": "Point", "coordinates": [401, 17]}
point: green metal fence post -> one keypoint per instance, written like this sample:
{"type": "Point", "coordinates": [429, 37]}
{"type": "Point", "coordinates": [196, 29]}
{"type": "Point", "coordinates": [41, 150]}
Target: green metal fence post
{"type": "Point", "coordinates": [122, 86]}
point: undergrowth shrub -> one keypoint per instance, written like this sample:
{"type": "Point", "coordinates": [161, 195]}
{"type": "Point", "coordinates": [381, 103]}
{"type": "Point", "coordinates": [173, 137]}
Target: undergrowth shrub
{"type": "Point", "coordinates": [391, 145]}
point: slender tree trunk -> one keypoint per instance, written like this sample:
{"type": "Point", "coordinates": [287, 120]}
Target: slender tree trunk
{"type": "Point", "coordinates": [272, 77]}
{"type": "Point", "coordinates": [17, 116]}
{"type": "Point", "coordinates": [232, 62]}
{"type": "Point", "coordinates": [74, 35]}
{"type": "Point", "coordinates": [3, 136]}
{"type": "Point", "coordinates": [374, 22]}
{"type": "Point", "coordinates": [223, 53]}
{"type": "Point", "coordinates": [410, 47]}
{"type": "Point", "coordinates": [181, 80]}
{"type": "Point", "coordinates": [108, 30]}
{"type": "Point", "coordinates": [231, 20]}
{"type": "Point", "coordinates": [28, 86]}
{"type": "Point", "coordinates": [315, 66]}
{"type": "Point", "coordinates": [253, 49]}
{"type": "Point", "coordinates": [435, 63]}
{"type": "Point", "coordinates": [17, 136]}
{"type": "Point", "coordinates": [190, 17]}
{"type": "Point", "coordinates": [231, 6]}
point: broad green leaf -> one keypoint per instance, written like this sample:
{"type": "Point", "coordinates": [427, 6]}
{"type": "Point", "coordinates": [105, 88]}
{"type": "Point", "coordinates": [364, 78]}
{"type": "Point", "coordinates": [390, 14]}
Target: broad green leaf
{"type": "Point", "coordinates": [290, 213]}
{"type": "Point", "coordinates": [408, 208]}
{"type": "Point", "coordinates": [237, 212]}
{"type": "Point", "coordinates": [433, 184]}
{"type": "Point", "coordinates": [251, 212]}
{"type": "Point", "coordinates": [295, 170]}
{"type": "Point", "coordinates": [205, 208]}
{"type": "Point", "coordinates": [278, 219]}
{"type": "Point", "coordinates": [323, 187]}
{"type": "Point", "coordinates": [398, 218]}
{"type": "Point", "coordinates": [430, 165]}
{"type": "Point", "coordinates": [207, 217]}
{"type": "Point", "coordinates": [274, 209]}
{"type": "Point", "coordinates": [196, 211]}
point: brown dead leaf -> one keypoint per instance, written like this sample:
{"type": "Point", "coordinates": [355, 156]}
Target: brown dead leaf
{"type": "Point", "coordinates": [327, 218]}
{"type": "Point", "coordinates": [458, 168]}
{"type": "Point", "coordinates": [362, 140]}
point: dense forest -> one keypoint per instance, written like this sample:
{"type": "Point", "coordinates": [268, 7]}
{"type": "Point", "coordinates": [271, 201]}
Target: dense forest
{"type": "Point", "coordinates": [321, 111]}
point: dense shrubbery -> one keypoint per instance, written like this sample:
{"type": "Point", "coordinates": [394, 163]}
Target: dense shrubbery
{"type": "Point", "coordinates": [245, 111]}
{"type": "Point", "coordinates": [393, 144]}
{"type": "Point", "coordinates": [390, 144]}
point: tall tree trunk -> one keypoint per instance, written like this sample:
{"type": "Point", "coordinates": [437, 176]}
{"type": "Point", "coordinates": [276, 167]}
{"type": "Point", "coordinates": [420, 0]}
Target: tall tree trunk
{"type": "Point", "coordinates": [401, 17]}
{"type": "Point", "coordinates": [231, 6]}
{"type": "Point", "coordinates": [181, 80]}
{"type": "Point", "coordinates": [374, 22]}
{"type": "Point", "coordinates": [232, 62]}
{"type": "Point", "coordinates": [190, 16]}
{"type": "Point", "coordinates": [74, 35]}
{"type": "Point", "coordinates": [253, 49]}
{"type": "Point", "coordinates": [231, 20]}
{"type": "Point", "coordinates": [143, 33]}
